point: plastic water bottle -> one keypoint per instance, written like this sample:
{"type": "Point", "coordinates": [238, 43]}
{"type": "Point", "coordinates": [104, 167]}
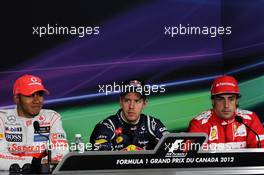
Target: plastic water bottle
{"type": "Point", "coordinates": [79, 143]}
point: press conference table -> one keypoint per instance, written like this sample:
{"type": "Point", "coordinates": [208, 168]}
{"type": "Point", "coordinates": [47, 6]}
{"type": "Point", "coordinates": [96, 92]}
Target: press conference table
{"type": "Point", "coordinates": [183, 171]}
{"type": "Point", "coordinates": [166, 159]}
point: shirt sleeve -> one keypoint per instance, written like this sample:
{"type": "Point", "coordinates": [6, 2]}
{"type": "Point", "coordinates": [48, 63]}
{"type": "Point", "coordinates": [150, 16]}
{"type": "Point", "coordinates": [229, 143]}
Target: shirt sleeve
{"type": "Point", "coordinates": [102, 136]}
{"type": "Point", "coordinates": [195, 126]}
{"type": "Point", "coordinates": [6, 158]}
{"type": "Point", "coordinates": [252, 139]}
{"type": "Point", "coordinates": [59, 144]}
{"type": "Point", "coordinates": [156, 128]}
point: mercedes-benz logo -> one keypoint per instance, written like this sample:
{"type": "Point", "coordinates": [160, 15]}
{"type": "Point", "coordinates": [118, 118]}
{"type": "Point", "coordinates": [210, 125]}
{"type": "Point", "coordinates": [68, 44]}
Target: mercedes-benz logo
{"type": "Point", "coordinates": [11, 118]}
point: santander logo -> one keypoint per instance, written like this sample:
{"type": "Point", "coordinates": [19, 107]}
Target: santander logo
{"type": "Point", "coordinates": [225, 84]}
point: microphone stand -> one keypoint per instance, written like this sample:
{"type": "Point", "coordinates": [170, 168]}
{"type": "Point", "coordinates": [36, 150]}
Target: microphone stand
{"type": "Point", "coordinates": [240, 120]}
{"type": "Point", "coordinates": [45, 168]}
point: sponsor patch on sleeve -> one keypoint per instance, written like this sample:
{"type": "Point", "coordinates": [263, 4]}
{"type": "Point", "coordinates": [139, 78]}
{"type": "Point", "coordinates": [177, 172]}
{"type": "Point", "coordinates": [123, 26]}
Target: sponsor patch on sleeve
{"type": "Point", "coordinates": [40, 138]}
{"type": "Point", "coordinates": [58, 136]}
{"type": "Point", "coordinates": [100, 141]}
{"type": "Point", "coordinates": [1, 136]}
{"type": "Point", "coordinates": [43, 129]}
{"type": "Point", "coordinates": [13, 137]}
{"type": "Point", "coordinates": [213, 133]}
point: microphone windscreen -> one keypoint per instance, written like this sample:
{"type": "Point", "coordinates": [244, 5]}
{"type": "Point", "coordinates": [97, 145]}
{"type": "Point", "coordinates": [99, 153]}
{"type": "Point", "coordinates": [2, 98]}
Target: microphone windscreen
{"type": "Point", "coordinates": [36, 125]}
{"type": "Point", "coordinates": [239, 119]}
{"type": "Point", "coordinates": [26, 169]}
{"type": "Point", "coordinates": [14, 168]}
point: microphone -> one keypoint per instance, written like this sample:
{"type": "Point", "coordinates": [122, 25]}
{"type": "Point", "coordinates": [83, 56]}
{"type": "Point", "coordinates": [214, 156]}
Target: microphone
{"type": "Point", "coordinates": [240, 120]}
{"type": "Point", "coordinates": [36, 126]}
{"type": "Point", "coordinates": [37, 130]}
{"type": "Point", "coordinates": [14, 169]}
{"type": "Point", "coordinates": [26, 168]}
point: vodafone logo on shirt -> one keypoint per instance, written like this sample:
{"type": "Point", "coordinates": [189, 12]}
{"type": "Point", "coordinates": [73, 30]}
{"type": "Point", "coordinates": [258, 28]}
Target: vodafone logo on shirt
{"type": "Point", "coordinates": [29, 122]}
{"type": "Point", "coordinates": [41, 118]}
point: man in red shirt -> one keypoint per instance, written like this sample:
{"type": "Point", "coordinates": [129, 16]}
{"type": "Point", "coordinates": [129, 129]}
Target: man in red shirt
{"type": "Point", "coordinates": [226, 124]}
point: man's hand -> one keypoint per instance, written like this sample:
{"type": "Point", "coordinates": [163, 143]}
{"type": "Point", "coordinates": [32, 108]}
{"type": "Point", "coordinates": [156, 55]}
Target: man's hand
{"type": "Point", "coordinates": [53, 162]}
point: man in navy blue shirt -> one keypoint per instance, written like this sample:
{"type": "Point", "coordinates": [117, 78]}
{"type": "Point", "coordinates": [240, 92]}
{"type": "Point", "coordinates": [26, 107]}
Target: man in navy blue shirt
{"type": "Point", "coordinates": [129, 129]}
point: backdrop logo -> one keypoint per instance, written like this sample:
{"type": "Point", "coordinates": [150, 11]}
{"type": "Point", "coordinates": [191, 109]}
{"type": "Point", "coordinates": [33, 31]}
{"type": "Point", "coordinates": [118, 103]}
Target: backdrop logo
{"type": "Point", "coordinates": [174, 149]}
